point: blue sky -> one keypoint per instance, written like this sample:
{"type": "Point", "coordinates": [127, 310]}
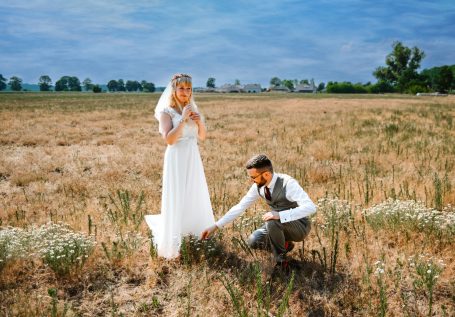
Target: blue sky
{"type": "Point", "coordinates": [252, 41]}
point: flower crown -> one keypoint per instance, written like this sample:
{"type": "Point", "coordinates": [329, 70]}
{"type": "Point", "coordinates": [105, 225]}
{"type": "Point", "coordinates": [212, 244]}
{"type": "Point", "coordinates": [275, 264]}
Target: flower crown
{"type": "Point", "coordinates": [177, 76]}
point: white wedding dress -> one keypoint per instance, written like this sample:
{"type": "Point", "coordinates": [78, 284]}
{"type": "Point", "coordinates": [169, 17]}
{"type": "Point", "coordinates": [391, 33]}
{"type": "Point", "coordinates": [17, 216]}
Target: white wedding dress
{"type": "Point", "coordinates": [185, 200]}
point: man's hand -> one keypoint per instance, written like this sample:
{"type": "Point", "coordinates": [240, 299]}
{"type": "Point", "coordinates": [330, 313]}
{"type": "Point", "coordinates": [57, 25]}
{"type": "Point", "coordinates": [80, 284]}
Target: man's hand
{"type": "Point", "coordinates": [270, 216]}
{"type": "Point", "coordinates": [207, 233]}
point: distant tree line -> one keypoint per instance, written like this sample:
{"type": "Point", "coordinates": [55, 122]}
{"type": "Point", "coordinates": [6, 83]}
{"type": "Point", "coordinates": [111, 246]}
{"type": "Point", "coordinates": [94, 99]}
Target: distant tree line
{"type": "Point", "coordinates": [130, 85]}
{"type": "Point", "coordinates": [291, 84]}
{"type": "Point", "coordinates": [398, 75]}
{"type": "Point", "coordinates": [72, 83]}
{"type": "Point", "coordinates": [347, 87]}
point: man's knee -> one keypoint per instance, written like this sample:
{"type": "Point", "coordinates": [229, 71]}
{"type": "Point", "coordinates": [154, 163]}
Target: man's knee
{"type": "Point", "coordinates": [307, 228]}
{"type": "Point", "coordinates": [253, 241]}
{"type": "Point", "coordinates": [274, 225]}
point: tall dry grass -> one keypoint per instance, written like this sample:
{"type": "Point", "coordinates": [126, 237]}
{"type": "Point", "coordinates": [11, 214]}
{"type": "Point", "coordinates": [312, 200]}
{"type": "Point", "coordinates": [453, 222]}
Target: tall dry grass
{"type": "Point", "coordinates": [66, 157]}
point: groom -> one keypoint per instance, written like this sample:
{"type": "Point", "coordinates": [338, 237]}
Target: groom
{"type": "Point", "coordinates": [287, 219]}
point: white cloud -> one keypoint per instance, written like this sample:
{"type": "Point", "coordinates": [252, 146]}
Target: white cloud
{"type": "Point", "coordinates": [248, 40]}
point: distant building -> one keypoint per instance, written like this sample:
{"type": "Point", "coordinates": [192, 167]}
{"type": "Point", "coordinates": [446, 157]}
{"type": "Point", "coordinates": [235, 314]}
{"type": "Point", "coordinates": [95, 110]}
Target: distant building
{"type": "Point", "coordinates": [280, 88]}
{"type": "Point", "coordinates": [248, 88]}
{"type": "Point", "coordinates": [252, 88]}
{"type": "Point", "coordinates": [204, 89]}
{"type": "Point", "coordinates": [229, 88]}
{"type": "Point", "coordinates": [308, 88]}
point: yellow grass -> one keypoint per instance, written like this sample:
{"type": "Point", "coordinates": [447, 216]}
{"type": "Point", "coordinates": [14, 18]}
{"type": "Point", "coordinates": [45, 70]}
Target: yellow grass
{"type": "Point", "coordinates": [62, 155]}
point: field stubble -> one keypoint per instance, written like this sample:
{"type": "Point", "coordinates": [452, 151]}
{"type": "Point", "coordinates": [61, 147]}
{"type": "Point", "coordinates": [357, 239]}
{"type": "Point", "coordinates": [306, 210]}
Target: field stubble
{"type": "Point", "coordinates": [94, 163]}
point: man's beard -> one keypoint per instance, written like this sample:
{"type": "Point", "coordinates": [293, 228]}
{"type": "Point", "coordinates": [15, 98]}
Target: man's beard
{"type": "Point", "coordinates": [262, 182]}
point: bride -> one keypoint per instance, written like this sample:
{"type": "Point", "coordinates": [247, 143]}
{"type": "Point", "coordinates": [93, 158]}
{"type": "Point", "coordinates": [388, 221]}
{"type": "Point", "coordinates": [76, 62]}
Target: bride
{"type": "Point", "coordinates": [185, 200]}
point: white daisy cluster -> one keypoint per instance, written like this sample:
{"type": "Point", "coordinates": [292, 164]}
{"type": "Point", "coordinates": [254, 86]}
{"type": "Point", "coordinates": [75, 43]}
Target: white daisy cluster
{"type": "Point", "coordinates": [58, 246]}
{"type": "Point", "coordinates": [409, 213]}
{"type": "Point", "coordinates": [61, 248]}
{"type": "Point", "coordinates": [341, 207]}
{"type": "Point", "coordinates": [332, 211]}
{"type": "Point", "coordinates": [14, 244]}
{"type": "Point", "coordinates": [427, 269]}
{"type": "Point", "coordinates": [380, 268]}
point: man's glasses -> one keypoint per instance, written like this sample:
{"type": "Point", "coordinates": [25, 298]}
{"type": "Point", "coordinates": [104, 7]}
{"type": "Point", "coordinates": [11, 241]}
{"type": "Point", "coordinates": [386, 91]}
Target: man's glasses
{"type": "Point", "coordinates": [254, 177]}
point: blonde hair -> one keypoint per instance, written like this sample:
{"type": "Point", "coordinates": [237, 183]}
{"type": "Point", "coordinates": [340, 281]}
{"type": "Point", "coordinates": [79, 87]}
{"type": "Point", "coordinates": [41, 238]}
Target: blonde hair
{"type": "Point", "coordinates": [179, 79]}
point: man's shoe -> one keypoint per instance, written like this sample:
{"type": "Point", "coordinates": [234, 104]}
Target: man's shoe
{"type": "Point", "coordinates": [288, 245]}
{"type": "Point", "coordinates": [282, 267]}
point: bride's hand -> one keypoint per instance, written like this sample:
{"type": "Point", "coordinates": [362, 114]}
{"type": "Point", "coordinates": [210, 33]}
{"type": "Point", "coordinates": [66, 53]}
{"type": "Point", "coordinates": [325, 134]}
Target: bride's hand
{"type": "Point", "coordinates": [196, 117]}
{"type": "Point", "coordinates": [187, 110]}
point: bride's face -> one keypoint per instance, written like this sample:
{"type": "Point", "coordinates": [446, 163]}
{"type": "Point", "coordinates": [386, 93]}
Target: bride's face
{"type": "Point", "coordinates": [183, 93]}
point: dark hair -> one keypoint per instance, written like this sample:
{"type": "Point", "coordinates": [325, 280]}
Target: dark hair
{"type": "Point", "coordinates": [260, 162]}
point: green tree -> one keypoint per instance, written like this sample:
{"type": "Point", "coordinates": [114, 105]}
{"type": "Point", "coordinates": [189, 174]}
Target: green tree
{"type": "Point", "coordinates": [133, 85]}
{"type": "Point", "coordinates": [147, 87]}
{"type": "Point", "coordinates": [45, 83]}
{"type": "Point", "coordinates": [74, 84]}
{"type": "Point", "coordinates": [304, 82]}
{"type": "Point", "coordinates": [130, 86]}
{"type": "Point", "coordinates": [87, 83]}
{"type": "Point", "coordinates": [120, 85]}
{"type": "Point", "coordinates": [402, 64]}
{"type": "Point", "coordinates": [68, 83]}
{"type": "Point", "coordinates": [275, 81]}
{"type": "Point", "coordinates": [15, 83]}
{"type": "Point", "coordinates": [288, 83]}
{"type": "Point", "coordinates": [210, 82]}
{"type": "Point", "coordinates": [2, 82]}
{"type": "Point", "coordinates": [380, 87]}
{"type": "Point", "coordinates": [443, 80]}
{"type": "Point", "coordinates": [96, 88]}
{"type": "Point", "coordinates": [112, 85]}
{"type": "Point", "coordinates": [61, 84]}
{"type": "Point", "coordinates": [345, 87]}
{"type": "Point", "coordinates": [321, 86]}
{"type": "Point", "coordinates": [237, 82]}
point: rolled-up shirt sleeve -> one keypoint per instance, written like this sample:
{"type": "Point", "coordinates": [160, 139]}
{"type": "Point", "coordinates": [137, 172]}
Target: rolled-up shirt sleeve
{"type": "Point", "coordinates": [251, 196]}
{"type": "Point", "coordinates": [305, 208]}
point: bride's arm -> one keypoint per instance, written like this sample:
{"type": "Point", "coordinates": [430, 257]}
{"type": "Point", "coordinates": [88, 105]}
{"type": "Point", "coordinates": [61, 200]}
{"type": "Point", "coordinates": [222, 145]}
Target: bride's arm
{"type": "Point", "coordinates": [201, 129]}
{"type": "Point", "coordinates": [168, 131]}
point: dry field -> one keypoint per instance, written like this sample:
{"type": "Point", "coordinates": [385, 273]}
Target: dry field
{"type": "Point", "coordinates": [380, 167]}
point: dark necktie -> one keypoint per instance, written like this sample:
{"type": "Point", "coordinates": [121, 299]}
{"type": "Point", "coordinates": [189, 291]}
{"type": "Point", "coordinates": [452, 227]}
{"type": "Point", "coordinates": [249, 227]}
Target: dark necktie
{"type": "Point", "coordinates": [267, 193]}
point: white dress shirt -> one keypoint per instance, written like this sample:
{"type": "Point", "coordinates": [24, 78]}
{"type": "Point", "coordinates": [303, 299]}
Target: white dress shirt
{"type": "Point", "coordinates": [294, 192]}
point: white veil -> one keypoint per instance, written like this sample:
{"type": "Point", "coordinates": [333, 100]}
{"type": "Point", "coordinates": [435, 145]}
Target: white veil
{"type": "Point", "coordinates": [165, 101]}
